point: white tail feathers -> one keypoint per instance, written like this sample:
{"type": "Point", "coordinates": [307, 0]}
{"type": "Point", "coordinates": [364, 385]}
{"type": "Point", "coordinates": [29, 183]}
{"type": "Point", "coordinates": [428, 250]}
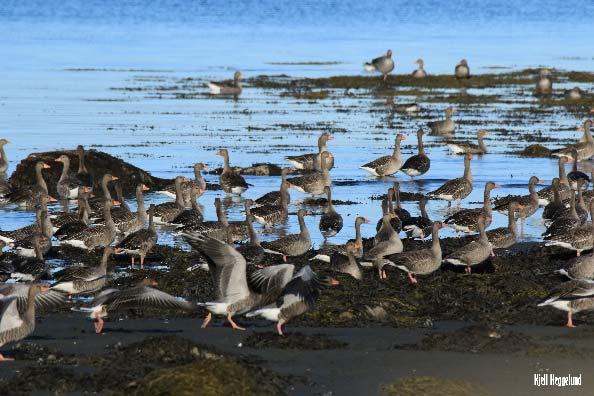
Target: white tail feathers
{"type": "Point", "coordinates": [321, 257]}
{"type": "Point", "coordinates": [214, 89]}
{"type": "Point", "coordinates": [368, 67]}
{"type": "Point", "coordinates": [271, 314]}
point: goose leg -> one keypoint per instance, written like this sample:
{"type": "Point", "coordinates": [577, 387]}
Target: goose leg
{"type": "Point", "coordinates": [132, 265]}
{"type": "Point", "coordinates": [467, 269]}
{"type": "Point", "coordinates": [232, 322]}
{"type": "Point", "coordinates": [141, 262]}
{"type": "Point", "coordinates": [412, 278]}
{"type": "Point", "coordinates": [98, 325]}
{"type": "Point", "coordinates": [206, 320]}
{"type": "Point", "coordinates": [569, 321]}
{"type": "Point", "coordinates": [6, 359]}
{"type": "Point", "coordinates": [279, 328]}
{"type": "Point", "coordinates": [384, 276]}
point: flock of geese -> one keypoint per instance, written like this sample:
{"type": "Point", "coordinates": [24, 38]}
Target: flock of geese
{"type": "Point", "coordinates": [279, 292]}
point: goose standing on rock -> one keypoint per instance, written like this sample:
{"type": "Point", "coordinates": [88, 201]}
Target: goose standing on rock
{"type": "Point", "coordinates": [226, 87]}
{"type": "Point", "coordinates": [466, 220]}
{"type": "Point", "coordinates": [420, 71]}
{"type": "Point", "coordinates": [573, 296]}
{"type": "Point", "coordinates": [474, 252]}
{"type": "Point", "coordinates": [467, 147]}
{"type": "Point", "coordinates": [462, 70]}
{"type": "Point", "coordinates": [141, 242]}
{"type": "Point", "coordinates": [13, 325]}
{"type": "Point", "coordinates": [387, 164]}
{"type": "Point", "coordinates": [314, 182]}
{"type": "Point", "coordinates": [79, 279]}
{"type": "Point", "coordinates": [456, 189]}
{"type": "Point", "coordinates": [231, 181]}
{"type": "Point", "coordinates": [166, 212]}
{"type": "Point", "coordinates": [331, 221]}
{"type": "Point", "coordinates": [3, 159]}
{"type": "Point", "coordinates": [585, 149]}
{"type": "Point", "coordinates": [294, 244]}
{"type": "Point", "coordinates": [444, 127]}
{"type": "Point", "coordinates": [418, 226]}
{"type": "Point", "coordinates": [505, 237]}
{"type": "Point", "coordinates": [420, 163]}
{"type": "Point", "coordinates": [544, 85]}
{"type": "Point", "coordinates": [313, 161]}
{"type": "Point", "coordinates": [383, 64]}
{"type": "Point", "coordinates": [274, 197]}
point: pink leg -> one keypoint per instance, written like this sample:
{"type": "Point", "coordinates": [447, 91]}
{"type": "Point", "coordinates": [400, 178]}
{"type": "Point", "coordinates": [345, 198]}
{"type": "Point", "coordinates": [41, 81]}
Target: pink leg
{"type": "Point", "coordinates": [577, 253]}
{"type": "Point", "coordinates": [98, 325]}
{"type": "Point", "coordinates": [412, 279]}
{"type": "Point", "coordinates": [279, 328]}
{"type": "Point", "coordinates": [206, 320]}
{"type": "Point", "coordinates": [5, 359]}
{"type": "Point", "coordinates": [284, 258]}
{"type": "Point", "coordinates": [141, 262]}
{"type": "Point", "coordinates": [569, 321]}
{"type": "Point", "coordinates": [384, 276]}
{"type": "Point", "coordinates": [232, 322]}
{"type": "Point", "coordinates": [468, 270]}
{"type": "Point", "coordinates": [132, 265]}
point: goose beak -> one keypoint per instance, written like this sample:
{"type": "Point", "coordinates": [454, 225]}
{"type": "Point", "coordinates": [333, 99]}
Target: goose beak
{"type": "Point", "coordinates": [46, 166]}
{"type": "Point", "coordinates": [366, 221]}
{"type": "Point", "coordinates": [116, 202]}
{"type": "Point", "coordinates": [88, 189]}
{"type": "Point", "coordinates": [44, 288]}
{"type": "Point", "coordinates": [145, 188]}
{"type": "Point", "coordinates": [205, 167]}
{"type": "Point", "coordinates": [330, 137]}
{"type": "Point", "coordinates": [334, 282]}
{"type": "Point", "coordinates": [51, 199]}
{"type": "Point", "coordinates": [497, 185]}
{"type": "Point", "coordinates": [114, 178]}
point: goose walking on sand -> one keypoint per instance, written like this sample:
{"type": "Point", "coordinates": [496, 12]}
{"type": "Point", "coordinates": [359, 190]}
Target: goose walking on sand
{"type": "Point", "coordinates": [313, 161]}
{"type": "Point", "coordinates": [15, 326]}
{"type": "Point", "coordinates": [573, 296]}
{"type": "Point", "coordinates": [383, 64]}
{"type": "Point", "coordinates": [467, 147]}
{"type": "Point", "coordinates": [232, 87]}
{"type": "Point", "coordinates": [78, 279]}
{"type": "Point", "coordinates": [3, 158]}
{"type": "Point", "coordinates": [67, 185]}
{"type": "Point", "coordinates": [314, 182]}
{"type": "Point", "coordinates": [231, 181]}
{"type": "Point", "coordinates": [141, 242]}
{"type": "Point", "coordinates": [462, 70]}
{"type": "Point", "coordinates": [585, 148]}
{"type": "Point", "coordinates": [419, 71]}
{"type": "Point", "coordinates": [474, 252]}
{"type": "Point", "coordinates": [331, 221]}
{"type": "Point", "coordinates": [420, 163]}
{"type": "Point", "coordinates": [455, 189]}
{"type": "Point", "coordinates": [387, 164]}
{"type": "Point", "coordinates": [466, 220]}
{"type": "Point", "coordinates": [294, 244]}
{"type": "Point", "coordinates": [444, 127]}
{"type": "Point", "coordinates": [296, 298]}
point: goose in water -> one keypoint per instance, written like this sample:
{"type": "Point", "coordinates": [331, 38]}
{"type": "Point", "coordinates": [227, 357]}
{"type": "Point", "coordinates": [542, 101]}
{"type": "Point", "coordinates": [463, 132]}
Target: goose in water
{"type": "Point", "coordinates": [383, 64]}
{"type": "Point", "coordinates": [331, 220]}
{"type": "Point", "coordinates": [143, 295]}
{"type": "Point", "coordinates": [274, 197]}
{"type": "Point", "coordinates": [314, 182]}
{"type": "Point", "coordinates": [3, 157]}
{"type": "Point", "coordinates": [313, 161]}
{"type": "Point", "coordinates": [67, 185]}
{"type": "Point", "coordinates": [294, 244]}
{"type": "Point", "coordinates": [231, 181]}
{"type": "Point", "coordinates": [78, 279]}
{"type": "Point", "coordinates": [399, 210]}
{"type": "Point", "coordinates": [420, 71]}
{"type": "Point", "coordinates": [141, 242]}
{"type": "Point", "coordinates": [346, 264]}
{"type": "Point", "coordinates": [326, 251]}
{"type": "Point", "coordinates": [96, 203]}
{"type": "Point", "coordinates": [466, 220]}
{"type": "Point", "coordinates": [15, 326]}
{"type": "Point", "coordinates": [187, 187]}
{"type": "Point", "coordinates": [455, 189]}
{"type": "Point", "coordinates": [214, 229]}
{"type": "Point", "coordinates": [423, 261]}
{"type": "Point", "coordinates": [271, 214]}
{"type": "Point", "coordinates": [407, 108]}
{"type": "Point", "coordinates": [546, 194]}
{"type": "Point", "coordinates": [27, 197]}
{"type": "Point", "coordinates": [585, 149]}
{"type": "Point", "coordinates": [418, 226]}
{"type": "Point", "coordinates": [573, 296]}
{"type": "Point", "coordinates": [193, 215]}
{"type": "Point", "coordinates": [544, 85]}
{"type": "Point", "coordinates": [166, 212]}
{"type": "Point", "coordinates": [387, 164]}
{"type": "Point", "coordinates": [226, 87]}
{"type": "Point", "coordinates": [574, 93]}
{"type": "Point", "coordinates": [576, 175]}
{"type": "Point", "coordinates": [444, 127]}
{"type": "Point", "coordinates": [527, 204]}
{"type": "Point", "coordinates": [99, 235]}
{"type": "Point", "coordinates": [297, 297]}
{"type": "Point", "coordinates": [474, 252]}
{"type": "Point", "coordinates": [418, 164]}
{"type": "Point", "coordinates": [462, 70]}
{"type": "Point", "coordinates": [388, 208]}
{"type": "Point", "coordinates": [505, 237]}
{"type": "Point", "coordinates": [467, 147]}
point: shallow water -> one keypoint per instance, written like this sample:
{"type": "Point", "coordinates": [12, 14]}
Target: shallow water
{"type": "Point", "coordinates": [67, 69]}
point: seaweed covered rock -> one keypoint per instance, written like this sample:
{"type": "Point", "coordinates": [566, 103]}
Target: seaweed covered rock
{"type": "Point", "coordinates": [98, 163]}
{"type": "Point", "coordinates": [535, 151]}
{"type": "Point", "coordinates": [432, 386]}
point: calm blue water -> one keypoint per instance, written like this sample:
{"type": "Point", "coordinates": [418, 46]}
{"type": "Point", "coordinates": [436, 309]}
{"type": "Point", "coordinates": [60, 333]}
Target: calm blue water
{"type": "Point", "coordinates": [45, 105]}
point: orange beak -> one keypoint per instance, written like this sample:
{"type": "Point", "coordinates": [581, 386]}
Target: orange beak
{"type": "Point", "coordinates": [116, 202]}
{"type": "Point", "coordinates": [51, 199]}
{"type": "Point", "coordinates": [46, 166]}
{"type": "Point", "coordinates": [113, 178]}
{"type": "Point", "coordinates": [145, 188]}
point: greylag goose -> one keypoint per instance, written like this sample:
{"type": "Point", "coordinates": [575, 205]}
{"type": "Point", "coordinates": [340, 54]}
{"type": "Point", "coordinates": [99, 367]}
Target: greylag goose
{"type": "Point", "coordinates": [346, 264]}
{"type": "Point", "coordinates": [462, 70]}
{"type": "Point", "coordinates": [59, 219]}
{"type": "Point", "coordinates": [574, 93]}
{"type": "Point", "coordinates": [575, 175]}
{"type": "Point", "coordinates": [233, 295]}
{"type": "Point", "coordinates": [406, 108]}
{"type": "Point", "coordinates": [15, 326]}
{"type": "Point", "coordinates": [27, 197]}
{"type": "Point", "coordinates": [40, 224]}
{"type": "Point", "coordinates": [82, 279]}
{"type": "Point", "coordinates": [187, 187]}
{"type": "Point", "coordinates": [564, 222]}
{"type": "Point", "coordinates": [418, 164]}
{"type": "Point", "coordinates": [577, 238]}
{"type": "Point", "coordinates": [581, 267]}
{"type": "Point", "coordinates": [424, 261]}
{"type": "Point", "coordinates": [331, 221]}
{"type": "Point", "coordinates": [455, 189]}
{"type": "Point", "coordinates": [313, 161]}
{"type": "Point", "coordinates": [386, 209]}
{"type": "Point", "coordinates": [527, 204]}
{"type": "Point", "coordinates": [544, 85]}
{"type": "Point", "coordinates": [226, 87]}
{"type": "Point", "coordinates": [420, 71]}
{"type": "Point", "coordinates": [271, 214]}
{"type": "Point", "coordinates": [387, 242]}
{"type": "Point", "coordinates": [193, 215]}
{"type": "Point", "coordinates": [28, 268]}
{"type": "Point", "coordinates": [466, 220]}
{"type": "Point", "coordinates": [419, 226]}
{"type": "Point", "coordinates": [67, 185]}
{"type": "Point", "coordinates": [3, 158]}
{"type": "Point", "coordinates": [99, 235]}
{"type": "Point", "coordinates": [585, 149]}
{"type": "Point", "coordinates": [383, 64]}
{"type": "Point", "coordinates": [20, 291]}
{"type": "Point", "coordinates": [467, 147]}
{"type": "Point", "coordinates": [143, 295]}
{"type": "Point", "coordinates": [166, 212]}
{"type": "Point", "coordinates": [231, 181]}
{"type": "Point", "coordinates": [214, 229]}
{"type": "Point", "coordinates": [444, 127]}
{"type": "Point", "coordinates": [387, 164]}
{"type": "Point", "coordinates": [140, 242]}
{"type": "Point", "coordinates": [252, 251]}
{"type": "Point", "coordinates": [126, 221]}
{"type": "Point", "coordinates": [399, 210]}
{"type": "Point", "coordinates": [326, 252]}
{"type": "Point", "coordinates": [505, 237]}
{"type": "Point", "coordinates": [96, 203]}
{"type": "Point", "coordinates": [297, 297]}
{"type": "Point", "coordinates": [474, 252]}
{"type": "Point", "coordinates": [274, 197]}
{"type": "Point", "coordinates": [25, 248]}
{"type": "Point", "coordinates": [314, 182]}
{"type": "Point", "coordinates": [77, 223]}
{"type": "Point", "coordinates": [573, 296]}
{"type": "Point", "coordinates": [83, 175]}
{"type": "Point", "coordinates": [546, 194]}
{"type": "Point", "coordinates": [294, 244]}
